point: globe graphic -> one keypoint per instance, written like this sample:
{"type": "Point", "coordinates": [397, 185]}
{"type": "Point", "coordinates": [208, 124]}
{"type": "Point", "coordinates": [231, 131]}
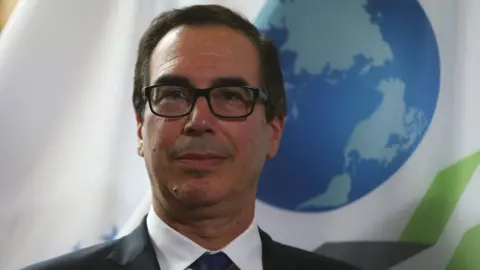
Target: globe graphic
{"type": "Point", "coordinates": [362, 81]}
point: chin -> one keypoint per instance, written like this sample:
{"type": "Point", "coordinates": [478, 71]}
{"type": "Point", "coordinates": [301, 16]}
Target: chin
{"type": "Point", "coordinates": [199, 192]}
{"type": "Point", "coordinates": [197, 200]}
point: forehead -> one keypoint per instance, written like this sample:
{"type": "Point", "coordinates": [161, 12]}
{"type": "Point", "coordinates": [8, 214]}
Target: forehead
{"type": "Point", "coordinates": [204, 53]}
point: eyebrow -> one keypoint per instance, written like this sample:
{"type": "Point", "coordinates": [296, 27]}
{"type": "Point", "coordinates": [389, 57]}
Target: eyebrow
{"type": "Point", "coordinates": [184, 81]}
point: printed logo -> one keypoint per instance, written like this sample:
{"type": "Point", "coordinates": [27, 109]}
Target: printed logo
{"type": "Point", "coordinates": [362, 82]}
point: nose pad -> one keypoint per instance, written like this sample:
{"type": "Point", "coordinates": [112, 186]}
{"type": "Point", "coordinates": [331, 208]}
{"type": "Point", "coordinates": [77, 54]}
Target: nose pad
{"type": "Point", "coordinates": [201, 119]}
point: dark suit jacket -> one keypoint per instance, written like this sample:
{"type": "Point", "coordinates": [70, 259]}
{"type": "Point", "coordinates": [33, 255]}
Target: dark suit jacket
{"type": "Point", "coordinates": [135, 251]}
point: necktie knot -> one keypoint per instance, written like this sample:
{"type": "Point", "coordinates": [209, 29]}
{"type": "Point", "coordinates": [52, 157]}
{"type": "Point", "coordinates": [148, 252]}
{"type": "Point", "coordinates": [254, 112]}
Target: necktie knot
{"type": "Point", "coordinates": [212, 261]}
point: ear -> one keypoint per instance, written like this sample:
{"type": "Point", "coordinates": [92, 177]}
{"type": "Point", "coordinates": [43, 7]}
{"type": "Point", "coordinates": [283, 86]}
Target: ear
{"type": "Point", "coordinates": [139, 135]}
{"type": "Point", "coordinates": [276, 130]}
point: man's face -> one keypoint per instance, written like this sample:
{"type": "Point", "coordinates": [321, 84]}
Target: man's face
{"type": "Point", "coordinates": [200, 159]}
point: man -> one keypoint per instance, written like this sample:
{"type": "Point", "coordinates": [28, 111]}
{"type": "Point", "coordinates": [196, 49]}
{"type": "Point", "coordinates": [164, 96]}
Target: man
{"type": "Point", "coordinates": [210, 105]}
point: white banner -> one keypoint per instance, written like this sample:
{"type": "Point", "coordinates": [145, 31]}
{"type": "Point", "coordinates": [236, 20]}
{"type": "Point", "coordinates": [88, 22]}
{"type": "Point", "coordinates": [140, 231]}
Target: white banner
{"type": "Point", "coordinates": [69, 174]}
{"type": "Point", "coordinates": [378, 161]}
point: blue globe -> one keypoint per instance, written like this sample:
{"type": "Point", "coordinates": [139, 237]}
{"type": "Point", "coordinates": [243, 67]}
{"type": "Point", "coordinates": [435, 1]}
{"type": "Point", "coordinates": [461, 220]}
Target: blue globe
{"type": "Point", "coordinates": [362, 81]}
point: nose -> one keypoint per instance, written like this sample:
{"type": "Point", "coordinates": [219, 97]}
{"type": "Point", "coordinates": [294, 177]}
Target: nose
{"type": "Point", "coordinates": [200, 120]}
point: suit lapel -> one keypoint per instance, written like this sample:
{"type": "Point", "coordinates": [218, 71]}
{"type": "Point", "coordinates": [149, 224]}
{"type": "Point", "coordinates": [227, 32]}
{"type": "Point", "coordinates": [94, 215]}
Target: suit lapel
{"type": "Point", "coordinates": [135, 251]}
{"type": "Point", "coordinates": [270, 257]}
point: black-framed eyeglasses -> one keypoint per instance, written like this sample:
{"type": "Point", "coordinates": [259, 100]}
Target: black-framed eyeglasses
{"type": "Point", "coordinates": [172, 101]}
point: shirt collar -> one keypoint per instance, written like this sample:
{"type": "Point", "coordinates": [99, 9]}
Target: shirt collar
{"type": "Point", "coordinates": [176, 252]}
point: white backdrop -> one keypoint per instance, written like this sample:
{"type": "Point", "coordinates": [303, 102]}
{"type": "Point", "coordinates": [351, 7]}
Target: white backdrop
{"type": "Point", "coordinates": [68, 168]}
{"type": "Point", "coordinates": [69, 174]}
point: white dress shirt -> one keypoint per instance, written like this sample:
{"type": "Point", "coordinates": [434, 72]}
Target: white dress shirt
{"type": "Point", "coordinates": [176, 252]}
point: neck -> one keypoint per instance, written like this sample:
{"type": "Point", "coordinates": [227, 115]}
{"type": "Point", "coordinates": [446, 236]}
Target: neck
{"type": "Point", "coordinates": [211, 227]}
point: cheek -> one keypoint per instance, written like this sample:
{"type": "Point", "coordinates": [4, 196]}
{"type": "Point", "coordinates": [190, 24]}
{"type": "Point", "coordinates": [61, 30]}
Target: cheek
{"type": "Point", "coordinates": [250, 144]}
{"type": "Point", "coordinates": [160, 134]}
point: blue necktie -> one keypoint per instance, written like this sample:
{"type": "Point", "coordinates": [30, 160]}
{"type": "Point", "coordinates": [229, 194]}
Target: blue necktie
{"type": "Point", "coordinates": [209, 261]}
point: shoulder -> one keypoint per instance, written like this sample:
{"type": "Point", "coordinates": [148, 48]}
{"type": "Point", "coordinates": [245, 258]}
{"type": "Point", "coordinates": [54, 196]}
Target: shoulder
{"type": "Point", "coordinates": [93, 257]}
{"type": "Point", "coordinates": [303, 259]}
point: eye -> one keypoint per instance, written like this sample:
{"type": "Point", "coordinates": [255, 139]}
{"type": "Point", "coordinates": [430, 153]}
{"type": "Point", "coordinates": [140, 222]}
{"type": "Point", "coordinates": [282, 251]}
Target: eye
{"type": "Point", "coordinates": [232, 93]}
{"type": "Point", "coordinates": [172, 92]}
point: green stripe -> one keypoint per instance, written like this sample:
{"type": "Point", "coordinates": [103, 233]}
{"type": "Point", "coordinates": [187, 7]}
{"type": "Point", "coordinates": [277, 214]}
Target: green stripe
{"type": "Point", "coordinates": [466, 256]}
{"type": "Point", "coordinates": [432, 214]}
